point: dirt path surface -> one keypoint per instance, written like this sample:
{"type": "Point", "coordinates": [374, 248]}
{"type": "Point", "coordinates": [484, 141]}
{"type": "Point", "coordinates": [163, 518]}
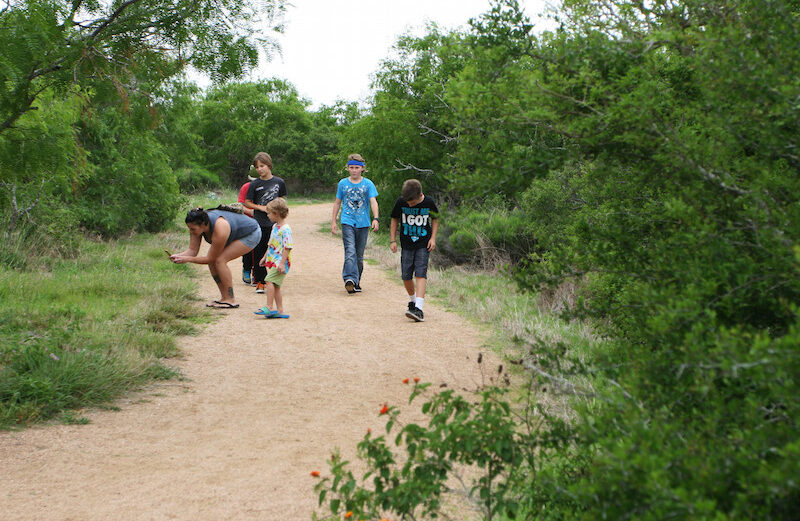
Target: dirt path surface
{"type": "Point", "coordinates": [264, 403]}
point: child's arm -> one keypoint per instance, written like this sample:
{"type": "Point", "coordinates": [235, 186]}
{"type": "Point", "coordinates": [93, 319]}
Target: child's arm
{"type": "Point", "coordinates": [393, 234]}
{"type": "Point", "coordinates": [373, 203]}
{"type": "Point", "coordinates": [281, 265]}
{"type": "Point", "coordinates": [337, 204]}
{"type": "Point", "coordinates": [434, 229]}
{"type": "Point", "coordinates": [253, 206]}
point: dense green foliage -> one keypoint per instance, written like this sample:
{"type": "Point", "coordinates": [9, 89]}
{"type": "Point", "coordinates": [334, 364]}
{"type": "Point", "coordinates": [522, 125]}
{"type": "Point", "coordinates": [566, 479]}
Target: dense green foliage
{"type": "Point", "coordinates": [238, 120]}
{"type": "Point", "coordinates": [648, 153]}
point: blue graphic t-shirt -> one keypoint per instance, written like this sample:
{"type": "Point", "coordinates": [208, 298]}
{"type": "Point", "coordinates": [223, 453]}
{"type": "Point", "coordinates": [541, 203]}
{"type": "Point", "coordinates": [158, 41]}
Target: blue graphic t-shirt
{"type": "Point", "coordinates": [415, 223]}
{"type": "Point", "coordinates": [355, 201]}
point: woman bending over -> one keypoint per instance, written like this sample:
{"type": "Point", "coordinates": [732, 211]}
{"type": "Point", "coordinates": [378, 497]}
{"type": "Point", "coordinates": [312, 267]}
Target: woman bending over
{"type": "Point", "coordinates": [231, 235]}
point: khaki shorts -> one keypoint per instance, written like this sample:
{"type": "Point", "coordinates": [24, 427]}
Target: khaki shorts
{"type": "Point", "coordinates": [275, 277]}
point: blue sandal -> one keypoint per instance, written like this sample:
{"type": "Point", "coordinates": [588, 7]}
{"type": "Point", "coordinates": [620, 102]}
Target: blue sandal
{"type": "Point", "coordinates": [265, 311]}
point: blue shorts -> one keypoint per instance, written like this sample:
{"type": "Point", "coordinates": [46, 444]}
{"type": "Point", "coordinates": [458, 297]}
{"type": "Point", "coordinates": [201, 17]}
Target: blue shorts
{"type": "Point", "coordinates": [252, 240]}
{"type": "Point", "coordinates": [414, 263]}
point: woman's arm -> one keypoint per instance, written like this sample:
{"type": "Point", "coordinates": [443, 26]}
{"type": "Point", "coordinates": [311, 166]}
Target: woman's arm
{"type": "Point", "coordinates": [222, 230]}
{"type": "Point", "coordinates": [191, 251]}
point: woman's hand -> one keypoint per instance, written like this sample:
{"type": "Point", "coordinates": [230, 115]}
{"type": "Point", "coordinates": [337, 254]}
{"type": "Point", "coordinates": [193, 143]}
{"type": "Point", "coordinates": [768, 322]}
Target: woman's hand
{"type": "Point", "coordinates": [179, 259]}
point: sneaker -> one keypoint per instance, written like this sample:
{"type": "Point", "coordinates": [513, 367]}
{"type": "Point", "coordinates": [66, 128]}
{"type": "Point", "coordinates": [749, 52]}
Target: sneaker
{"type": "Point", "coordinates": [259, 288]}
{"type": "Point", "coordinates": [357, 288]}
{"type": "Point", "coordinates": [350, 286]}
{"type": "Point", "coordinates": [246, 276]}
{"type": "Point", "coordinates": [415, 313]}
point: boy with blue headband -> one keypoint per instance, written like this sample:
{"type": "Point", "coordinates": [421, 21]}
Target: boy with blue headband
{"type": "Point", "coordinates": [355, 196]}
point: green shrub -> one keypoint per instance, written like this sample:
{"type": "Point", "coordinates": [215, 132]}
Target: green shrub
{"type": "Point", "coordinates": [39, 240]}
{"type": "Point", "coordinates": [195, 178]}
{"type": "Point", "coordinates": [492, 234]}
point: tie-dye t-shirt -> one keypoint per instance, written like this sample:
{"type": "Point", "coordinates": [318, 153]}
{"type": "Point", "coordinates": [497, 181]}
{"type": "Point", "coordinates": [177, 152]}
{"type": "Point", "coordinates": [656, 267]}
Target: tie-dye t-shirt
{"type": "Point", "coordinates": [280, 240]}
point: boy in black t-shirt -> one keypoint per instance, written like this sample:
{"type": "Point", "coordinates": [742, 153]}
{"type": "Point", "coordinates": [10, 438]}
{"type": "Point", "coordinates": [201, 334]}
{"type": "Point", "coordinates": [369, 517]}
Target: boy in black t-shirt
{"type": "Point", "coordinates": [416, 217]}
{"type": "Point", "coordinates": [261, 191]}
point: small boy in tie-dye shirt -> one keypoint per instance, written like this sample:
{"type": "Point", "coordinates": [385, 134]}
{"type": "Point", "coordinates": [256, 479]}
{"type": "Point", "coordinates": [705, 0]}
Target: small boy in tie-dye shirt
{"type": "Point", "coordinates": [278, 259]}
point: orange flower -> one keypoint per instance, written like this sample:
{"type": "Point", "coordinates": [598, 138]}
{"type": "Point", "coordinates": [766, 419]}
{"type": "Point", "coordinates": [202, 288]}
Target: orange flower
{"type": "Point", "coordinates": [314, 473]}
{"type": "Point", "coordinates": [416, 380]}
{"type": "Point", "coordinates": [384, 409]}
{"type": "Point", "coordinates": [348, 515]}
{"type": "Point", "coordinates": [405, 380]}
{"type": "Point", "coordinates": [369, 431]}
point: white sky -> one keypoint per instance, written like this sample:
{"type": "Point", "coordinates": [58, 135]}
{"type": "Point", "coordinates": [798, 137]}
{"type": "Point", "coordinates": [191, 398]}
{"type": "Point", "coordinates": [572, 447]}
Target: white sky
{"type": "Point", "coordinates": [331, 48]}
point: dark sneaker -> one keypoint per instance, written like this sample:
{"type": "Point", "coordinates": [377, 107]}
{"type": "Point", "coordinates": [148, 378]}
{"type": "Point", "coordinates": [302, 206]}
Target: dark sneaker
{"type": "Point", "coordinates": [350, 286]}
{"type": "Point", "coordinates": [357, 288]}
{"type": "Point", "coordinates": [415, 313]}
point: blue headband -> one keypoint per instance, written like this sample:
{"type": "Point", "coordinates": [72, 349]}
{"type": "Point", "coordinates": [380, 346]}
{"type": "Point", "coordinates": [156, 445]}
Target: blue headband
{"type": "Point", "coordinates": [354, 162]}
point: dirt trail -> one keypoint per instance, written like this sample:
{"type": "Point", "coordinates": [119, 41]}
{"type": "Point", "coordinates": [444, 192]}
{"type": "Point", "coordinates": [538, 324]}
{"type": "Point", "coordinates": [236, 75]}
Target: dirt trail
{"type": "Point", "coordinates": [264, 404]}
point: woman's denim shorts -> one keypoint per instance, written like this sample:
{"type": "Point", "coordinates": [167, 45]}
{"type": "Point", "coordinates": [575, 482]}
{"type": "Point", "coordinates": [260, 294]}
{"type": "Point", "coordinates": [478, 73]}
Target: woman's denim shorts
{"type": "Point", "coordinates": [252, 240]}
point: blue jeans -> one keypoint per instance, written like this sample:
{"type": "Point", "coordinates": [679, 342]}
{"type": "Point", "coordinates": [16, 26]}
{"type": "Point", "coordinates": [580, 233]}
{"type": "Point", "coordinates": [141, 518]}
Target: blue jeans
{"type": "Point", "coordinates": [355, 242]}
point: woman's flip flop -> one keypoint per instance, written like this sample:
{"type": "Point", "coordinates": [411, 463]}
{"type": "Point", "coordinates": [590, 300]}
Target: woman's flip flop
{"type": "Point", "coordinates": [222, 305]}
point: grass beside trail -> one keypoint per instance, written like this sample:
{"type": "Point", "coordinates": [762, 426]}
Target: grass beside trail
{"type": "Point", "coordinates": [83, 331]}
{"type": "Point", "coordinates": [93, 327]}
{"type": "Point", "coordinates": [514, 320]}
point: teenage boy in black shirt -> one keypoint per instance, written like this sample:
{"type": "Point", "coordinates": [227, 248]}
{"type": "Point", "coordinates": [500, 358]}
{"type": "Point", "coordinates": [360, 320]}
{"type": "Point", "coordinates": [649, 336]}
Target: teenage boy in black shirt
{"type": "Point", "coordinates": [263, 190]}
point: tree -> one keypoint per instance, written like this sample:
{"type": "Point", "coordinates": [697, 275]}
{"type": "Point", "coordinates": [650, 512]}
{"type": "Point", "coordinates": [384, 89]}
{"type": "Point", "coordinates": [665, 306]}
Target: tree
{"type": "Point", "coordinates": [51, 45]}
{"type": "Point", "coordinates": [61, 58]}
{"type": "Point", "coordinates": [240, 119]}
{"type": "Point", "coordinates": [680, 213]}
{"type": "Point", "coordinates": [408, 132]}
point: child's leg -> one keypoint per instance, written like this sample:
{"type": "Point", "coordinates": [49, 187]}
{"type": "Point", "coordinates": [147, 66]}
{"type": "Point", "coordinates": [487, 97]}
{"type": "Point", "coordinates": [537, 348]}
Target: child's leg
{"type": "Point", "coordinates": [271, 292]}
{"type": "Point", "coordinates": [422, 284]}
{"type": "Point", "coordinates": [278, 298]}
{"type": "Point", "coordinates": [407, 273]}
{"type": "Point", "coordinates": [421, 274]}
{"type": "Point", "coordinates": [361, 245]}
{"type": "Point", "coordinates": [350, 267]}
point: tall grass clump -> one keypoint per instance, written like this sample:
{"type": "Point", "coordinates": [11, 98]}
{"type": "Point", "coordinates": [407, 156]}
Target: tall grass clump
{"type": "Point", "coordinates": [29, 244]}
{"type": "Point", "coordinates": [81, 331]}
